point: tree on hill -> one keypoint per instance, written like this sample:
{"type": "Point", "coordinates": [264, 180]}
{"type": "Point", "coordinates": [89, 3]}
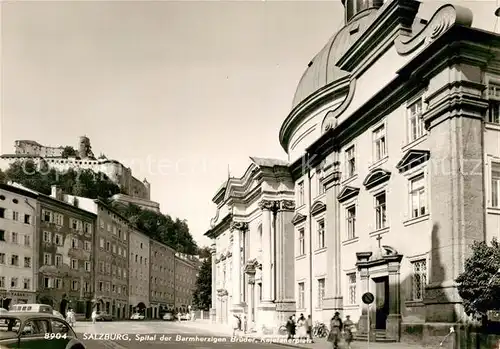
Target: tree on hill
{"type": "Point", "coordinates": [3, 177]}
{"type": "Point", "coordinates": [160, 227]}
{"type": "Point", "coordinates": [479, 283]}
{"type": "Point", "coordinates": [68, 151]}
{"type": "Point", "coordinates": [202, 294]}
{"type": "Point", "coordinates": [82, 183]}
{"type": "Point", "coordinates": [204, 252]}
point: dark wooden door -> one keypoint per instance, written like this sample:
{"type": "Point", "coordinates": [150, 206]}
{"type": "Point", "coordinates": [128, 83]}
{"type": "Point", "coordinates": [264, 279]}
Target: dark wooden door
{"type": "Point", "coordinates": [381, 302]}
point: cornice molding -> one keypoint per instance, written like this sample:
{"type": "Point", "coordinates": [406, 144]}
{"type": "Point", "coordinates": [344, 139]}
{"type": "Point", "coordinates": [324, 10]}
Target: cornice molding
{"type": "Point", "coordinates": [298, 218]}
{"type": "Point", "coordinates": [347, 193]}
{"type": "Point", "coordinates": [219, 228]}
{"type": "Point", "coordinates": [443, 19]}
{"type": "Point", "coordinates": [376, 177]}
{"type": "Point", "coordinates": [396, 17]}
{"type": "Point", "coordinates": [308, 105]}
{"type": "Point", "coordinates": [330, 119]}
{"type": "Point", "coordinates": [412, 158]}
{"type": "Point", "coordinates": [317, 207]}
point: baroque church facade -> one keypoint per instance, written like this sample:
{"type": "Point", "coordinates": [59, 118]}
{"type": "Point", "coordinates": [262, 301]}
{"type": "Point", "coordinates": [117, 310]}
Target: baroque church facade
{"type": "Point", "coordinates": [393, 170]}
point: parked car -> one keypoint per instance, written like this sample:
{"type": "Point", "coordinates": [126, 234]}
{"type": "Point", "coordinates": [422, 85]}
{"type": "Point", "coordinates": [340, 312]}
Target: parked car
{"type": "Point", "coordinates": [28, 330]}
{"type": "Point", "coordinates": [137, 316]}
{"type": "Point", "coordinates": [185, 317]}
{"type": "Point", "coordinates": [33, 308]}
{"type": "Point", "coordinates": [103, 316]}
{"type": "Point", "coordinates": [168, 317]}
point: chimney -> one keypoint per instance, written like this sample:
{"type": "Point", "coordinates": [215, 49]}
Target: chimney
{"type": "Point", "coordinates": [56, 192]}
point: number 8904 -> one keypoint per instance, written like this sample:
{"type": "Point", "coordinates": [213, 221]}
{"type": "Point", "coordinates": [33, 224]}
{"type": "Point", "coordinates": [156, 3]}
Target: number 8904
{"type": "Point", "coordinates": [55, 336]}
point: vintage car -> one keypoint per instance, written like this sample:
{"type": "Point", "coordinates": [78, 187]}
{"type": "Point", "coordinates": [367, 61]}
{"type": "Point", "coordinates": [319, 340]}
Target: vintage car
{"type": "Point", "coordinates": [103, 316]}
{"type": "Point", "coordinates": [36, 331]}
{"type": "Point", "coordinates": [137, 316]}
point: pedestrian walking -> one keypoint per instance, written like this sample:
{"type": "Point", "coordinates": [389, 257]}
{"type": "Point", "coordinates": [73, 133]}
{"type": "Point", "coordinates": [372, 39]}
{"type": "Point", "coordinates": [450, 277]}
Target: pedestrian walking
{"type": "Point", "coordinates": [335, 330]}
{"type": "Point", "coordinates": [94, 316]}
{"type": "Point", "coordinates": [301, 327]}
{"type": "Point", "coordinates": [290, 327]}
{"type": "Point", "coordinates": [348, 330]}
{"type": "Point", "coordinates": [309, 326]}
{"type": "Point", "coordinates": [245, 324]}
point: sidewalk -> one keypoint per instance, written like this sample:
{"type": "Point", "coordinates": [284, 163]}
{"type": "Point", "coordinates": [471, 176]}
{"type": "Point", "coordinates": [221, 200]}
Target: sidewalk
{"type": "Point", "coordinates": [319, 343]}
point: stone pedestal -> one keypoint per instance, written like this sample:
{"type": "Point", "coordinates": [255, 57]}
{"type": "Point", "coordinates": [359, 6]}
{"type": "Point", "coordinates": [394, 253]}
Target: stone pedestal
{"type": "Point", "coordinates": [213, 316]}
{"type": "Point", "coordinates": [267, 322]}
{"type": "Point", "coordinates": [284, 309]}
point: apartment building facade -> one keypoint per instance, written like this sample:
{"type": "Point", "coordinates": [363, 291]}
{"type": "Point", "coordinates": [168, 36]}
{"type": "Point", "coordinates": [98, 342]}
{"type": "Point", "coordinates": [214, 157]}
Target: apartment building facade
{"type": "Point", "coordinates": [65, 254]}
{"type": "Point", "coordinates": [186, 273]}
{"type": "Point", "coordinates": [162, 279]}
{"type": "Point", "coordinates": [17, 246]}
{"type": "Point", "coordinates": [139, 264]}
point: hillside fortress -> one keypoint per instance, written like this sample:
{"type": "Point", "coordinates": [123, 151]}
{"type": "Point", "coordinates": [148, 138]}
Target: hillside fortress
{"type": "Point", "coordinates": [134, 191]}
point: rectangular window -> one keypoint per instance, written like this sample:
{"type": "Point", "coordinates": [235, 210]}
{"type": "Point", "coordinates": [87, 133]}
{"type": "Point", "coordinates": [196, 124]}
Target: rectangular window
{"type": "Point", "coordinates": [494, 112]}
{"type": "Point", "coordinates": [74, 264]}
{"type": "Point", "coordinates": [415, 121]}
{"type": "Point", "coordinates": [321, 186]}
{"type": "Point", "coordinates": [47, 237]}
{"type": "Point", "coordinates": [14, 260]}
{"type": "Point", "coordinates": [2, 212]}
{"type": "Point", "coordinates": [351, 284]}
{"type": "Point", "coordinates": [379, 143]}
{"type": "Point", "coordinates": [351, 222]}
{"type": "Point", "coordinates": [2, 235]}
{"type": "Point", "coordinates": [495, 184]}
{"type": "Point", "coordinates": [59, 260]}
{"type": "Point", "coordinates": [350, 159]}
{"type": "Point", "coordinates": [302, 242]}
{"type": "Point", "coordinates": [419, 279]}
{"type": "Point", "coordinates": [74, 285]}
{"type": "Point", "coordinates": [74, 243]}
{"type": "Point", "coordinates": [59, 283]}
{"type": "Point", "coordinates": [58, 240]}
{"type": "Point", "coordinates": [14, 283]}
{"type": "Point", "coordinates": [27, 219]}
{"type": "Point", "coordinates": [27, 262]}
{"type": "Point", "coordinates": [47, 259]}
{"type": "Point", "coordinates": [59, 219]}
{"type": "Point", "coordinates": [321, 292]}
{"type": "Point", "coordinates": [15, 238]}
{"type": "Point", "coordinates": [88, 246]}
{"type": "Point", "coordinates": [300, 193]}
{"type": "Point", "coordinates": [15, 216]}
{"type": "Point", "coordinates": [2, 281]}
{"type": "Point", "coordinates": [101, 286]}
{"type": "Point", "coordinates": [2, 258]}
{"type": "Point", "coordinates": [47, 282]}
{"type": "Point", "coordinates": [27, 240]}
{"type": "Point", "coordinates": [418, 199]}
{"type": "Point", "coordinates": [302, 299]}
{"type": "Point", "coordinates": [380, 211]}
{"type": "Point", "coordinates": [26, 284]}
{"type": "Point", "coordinates": [47, 216]}
{"type": "Point", "coordinates": [321, 234]}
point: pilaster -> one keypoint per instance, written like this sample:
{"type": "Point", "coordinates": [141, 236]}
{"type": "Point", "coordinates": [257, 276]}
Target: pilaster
{"type": "Point", "coordinates": [454, 119]}
{"type": "Point", "coordinates": [364, 287]}
{"type": "Point", "coordinates": [237, 229]}
{"type": "Point", "coordinates": [267, 306]}
{"type": "Point", "coordinates": [285, 261]}
{"type": "Point", "coordinates": [394, 317]}
{"type": "Point", "coordinates": [333, 298]}
{"type": "Point", "coordinates": [214, 285]}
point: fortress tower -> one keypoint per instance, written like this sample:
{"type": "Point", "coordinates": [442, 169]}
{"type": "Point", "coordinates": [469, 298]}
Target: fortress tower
{"type": "Point", "coordinates": [84, 148]}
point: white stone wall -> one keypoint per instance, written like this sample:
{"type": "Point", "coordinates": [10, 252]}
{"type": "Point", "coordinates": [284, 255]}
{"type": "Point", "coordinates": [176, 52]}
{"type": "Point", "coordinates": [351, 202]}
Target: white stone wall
{"type": "Point", "coordinates": [139, 268]}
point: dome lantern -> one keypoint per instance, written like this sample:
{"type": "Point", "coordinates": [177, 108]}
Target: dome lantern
{"type": "Point", "coordinates": [353, 7]}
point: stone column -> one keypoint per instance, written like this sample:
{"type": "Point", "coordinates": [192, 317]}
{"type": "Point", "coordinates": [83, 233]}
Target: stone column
{"type": "Point", "coordinates": [333, 300]}
{"type": "Point", "coordinates": [214, 285]}
{"type": "Point", "coordinates": [394, 318]}
{"type": "Point", "coordinates": [236, 230]}
{"type": "Point", "coordinates": [267, 306]}
{"type": "Point", "coordinates": [285, 261]}
{"type": "Point", "coordinates": [454, 118]}
{"type": "Point", "coordinates": [363, 258]}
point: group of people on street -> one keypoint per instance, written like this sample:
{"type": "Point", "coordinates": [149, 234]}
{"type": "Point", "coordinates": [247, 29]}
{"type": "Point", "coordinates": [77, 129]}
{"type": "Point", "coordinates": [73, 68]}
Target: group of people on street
{"type": "Point", "coordinates": [239, 324]}
{"type": "Point", "coordinates": [302, 329]}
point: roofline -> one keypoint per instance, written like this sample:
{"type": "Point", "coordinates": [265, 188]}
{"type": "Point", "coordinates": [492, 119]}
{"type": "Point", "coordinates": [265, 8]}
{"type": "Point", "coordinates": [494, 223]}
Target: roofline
{"type": "Point", "coordinates": [44, 197]}
{"type": "Point", "coordinates": [19, 191]}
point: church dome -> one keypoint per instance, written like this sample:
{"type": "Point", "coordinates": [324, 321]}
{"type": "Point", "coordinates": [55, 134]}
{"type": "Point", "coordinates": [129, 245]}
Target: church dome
{"type": "Point", "coordinates": [322, 70]}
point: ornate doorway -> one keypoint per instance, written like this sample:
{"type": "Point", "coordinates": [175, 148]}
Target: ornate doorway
{"type": "Point", "coordinates": [381, 302]}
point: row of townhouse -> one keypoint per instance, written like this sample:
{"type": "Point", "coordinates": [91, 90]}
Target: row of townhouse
{"type": "Point", "coordinates": [76, 252]}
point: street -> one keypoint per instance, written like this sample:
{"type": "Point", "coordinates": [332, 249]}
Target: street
{"type": "Point", "coordinates": [124, 335]}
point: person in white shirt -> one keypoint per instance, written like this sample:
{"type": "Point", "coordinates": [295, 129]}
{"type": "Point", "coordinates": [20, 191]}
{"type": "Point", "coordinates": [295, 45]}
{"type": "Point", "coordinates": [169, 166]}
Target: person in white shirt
{"type": "Point", "coordinates": [94, 316]}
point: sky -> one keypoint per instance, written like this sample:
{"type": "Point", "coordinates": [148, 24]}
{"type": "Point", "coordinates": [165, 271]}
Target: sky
{"type": "Point", "coordinates": [181, 91]}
